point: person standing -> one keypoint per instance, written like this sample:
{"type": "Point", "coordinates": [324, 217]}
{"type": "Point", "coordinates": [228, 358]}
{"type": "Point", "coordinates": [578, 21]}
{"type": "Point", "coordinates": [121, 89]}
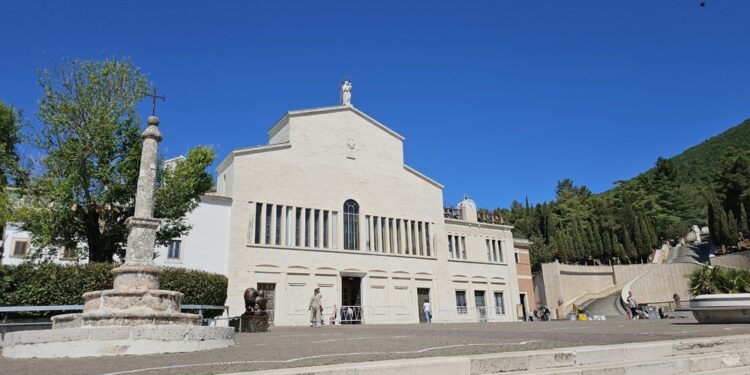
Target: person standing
{"type": "Point", "coordinates": [316, 307]}
{"type": "Point", "coordinates": [427, 310]}
{"type": "Point", "coordinates": [632, 305]}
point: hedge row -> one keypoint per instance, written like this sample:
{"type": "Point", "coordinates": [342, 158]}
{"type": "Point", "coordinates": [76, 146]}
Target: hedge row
{"type": "Point", "coordinates": [54, 284]}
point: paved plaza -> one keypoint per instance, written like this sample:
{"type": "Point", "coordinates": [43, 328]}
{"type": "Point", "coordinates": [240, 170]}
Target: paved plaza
{"type": "Point", "coordinates": [304, 346]}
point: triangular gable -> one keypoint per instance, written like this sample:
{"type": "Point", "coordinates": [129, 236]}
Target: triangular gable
{"type": "Point", "coordinates": [284, 120]}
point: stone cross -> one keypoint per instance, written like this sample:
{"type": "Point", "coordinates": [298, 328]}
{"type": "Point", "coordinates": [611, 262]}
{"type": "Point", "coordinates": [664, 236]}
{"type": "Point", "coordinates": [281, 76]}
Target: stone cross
{"type": "Point", "coordinates": [153, 101]}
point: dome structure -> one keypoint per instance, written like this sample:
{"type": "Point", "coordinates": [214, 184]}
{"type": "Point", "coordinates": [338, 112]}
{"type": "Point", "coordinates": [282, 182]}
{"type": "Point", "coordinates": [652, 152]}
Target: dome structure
{"type": "Point", "coordinates": [468, 209]}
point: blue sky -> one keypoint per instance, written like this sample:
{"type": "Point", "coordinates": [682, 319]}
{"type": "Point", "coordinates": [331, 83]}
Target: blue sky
{"type": "Point", "coordinates": [500, 99]}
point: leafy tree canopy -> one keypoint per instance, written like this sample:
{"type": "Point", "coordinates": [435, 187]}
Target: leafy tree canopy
{"type": "Point", "coordinates": [91, 144]}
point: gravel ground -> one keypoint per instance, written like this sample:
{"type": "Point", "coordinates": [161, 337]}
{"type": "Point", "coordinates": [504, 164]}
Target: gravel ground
{"type": "Point", "coordinates": [304, 346]}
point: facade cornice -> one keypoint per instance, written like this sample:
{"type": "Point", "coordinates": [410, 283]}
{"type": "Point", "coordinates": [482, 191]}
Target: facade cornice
{"type": "Point", "coordinates": [422, 176]}
{"type": "Point", "coordinates": [250, 150]}
{"type": "Point", "coordinates": [322, 110]}
{"type": "Point", "coordinates": [477, 224]}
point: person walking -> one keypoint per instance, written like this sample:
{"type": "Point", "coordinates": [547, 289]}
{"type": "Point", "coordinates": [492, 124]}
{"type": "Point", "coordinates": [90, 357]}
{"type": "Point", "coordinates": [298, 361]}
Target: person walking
{"type": "Point", "coordinates": [427, 310]}
{"type": "Point", "coordinates": [632, 305]}
{"type": "Point", "coordinates": [316, 308]}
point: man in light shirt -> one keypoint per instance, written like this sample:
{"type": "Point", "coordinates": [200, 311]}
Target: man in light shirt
{"type": "Point", "coordinates": [427, 311]}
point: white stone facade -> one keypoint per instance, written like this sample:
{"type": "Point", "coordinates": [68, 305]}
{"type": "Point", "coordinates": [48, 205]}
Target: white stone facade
{"type": "Point", "coordinates": [290, 231]}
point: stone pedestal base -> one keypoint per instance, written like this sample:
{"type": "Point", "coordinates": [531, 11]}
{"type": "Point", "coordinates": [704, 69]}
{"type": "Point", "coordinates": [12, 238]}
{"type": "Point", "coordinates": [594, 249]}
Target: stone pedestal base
{"type": "Point", "coordinates": [107, 341]}
{"type": "Point", "coordinates": [250, 323]}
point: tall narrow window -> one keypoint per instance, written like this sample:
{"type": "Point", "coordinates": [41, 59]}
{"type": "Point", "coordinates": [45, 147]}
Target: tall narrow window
{"type": "Point", "coordinates": [427, 237]}
{"type": "Point", "coordinates": [375, 234]}
{"type": "Point", "coordinates": [390, 235]}
{"type": "Point", "coordinates": [335, 231]}
{"type": "Point", "coordinates": [499, 303]}
{"type": "Point", "coordinates": [173, 251]}
{"type": "Point", "coordinates": [450, 246]}
{"type": "Point", "coordinates": [351, 225]}
{"type": "Point", "coordinates": [307, 227]}
{"type": "Point", "coordinates": [288, 229]}
{"type": "Point", "coordinates": [398, 235]}
{"type": "Point", "coordinates": [489, 251]}
{"type": "Point", "coordinates": [325, 229]}
{"type": "Point", "coordinates": [258, 213]}
{"type": "Point", "coordinates": [298, 227]}
{"type": "Point", "coordinates": [316, 226]}
{"type": "Point", "coordinates": [269, 209]}
{"type": "Point", "coordinates": [382, 234]}
{"type": "Point", "coordinates": [463, 246]}
{"type": "Point", "coordinates": [413, 239]}
{"type": "Point", "coordinates": [494, 250]}
{"type": "Point", "coordinates": [368, 240]}
{"type": "Point", "coordinates": [500, 251]}
{"type": "Point", "coordinates": [457, 247]}
{"type": "Point", "coordinates": [461, 301]}
{"type": "Point", "coordinates": [406, 237]}
{"type": "Point", "coordinates": [420, 238]}
{"type": "Point", "coordinates": [279, 211]}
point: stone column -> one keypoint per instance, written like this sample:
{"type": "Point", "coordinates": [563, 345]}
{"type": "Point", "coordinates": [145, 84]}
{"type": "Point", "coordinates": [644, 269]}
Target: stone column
{"type": "Point", "coordinates": [138, 272]}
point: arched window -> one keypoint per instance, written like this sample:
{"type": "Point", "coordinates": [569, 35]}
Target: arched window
{"type": "Point", "coordinates": [351, 225]}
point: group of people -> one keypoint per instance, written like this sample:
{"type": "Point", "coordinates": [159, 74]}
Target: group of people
{"type": "Point", "coordinates": [316, 311]}
{"type": "Point", "coordinates": [540, 314]}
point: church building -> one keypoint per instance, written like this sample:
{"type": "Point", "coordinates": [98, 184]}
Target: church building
{"type": "Point", "coordinates": [329, 203]}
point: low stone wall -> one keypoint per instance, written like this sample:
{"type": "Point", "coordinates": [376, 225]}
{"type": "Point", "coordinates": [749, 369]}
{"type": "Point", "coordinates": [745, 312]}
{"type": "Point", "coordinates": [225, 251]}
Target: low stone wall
{"type": "Point", "coordinates": [737, 260]}
{"type": "Point", "coordinates": [660, 284]}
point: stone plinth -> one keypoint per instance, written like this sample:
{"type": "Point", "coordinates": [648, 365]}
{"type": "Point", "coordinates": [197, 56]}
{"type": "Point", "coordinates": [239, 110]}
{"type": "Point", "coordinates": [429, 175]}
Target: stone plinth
{"type": "Point", "coordinates": [250, 323]}
{"type": "Point", "coordinates": [108, 341]}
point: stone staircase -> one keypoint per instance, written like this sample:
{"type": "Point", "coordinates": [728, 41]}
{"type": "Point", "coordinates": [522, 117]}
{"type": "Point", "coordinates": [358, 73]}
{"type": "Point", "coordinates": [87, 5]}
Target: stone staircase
{"type": "Point", "coordinates": [700, 356]}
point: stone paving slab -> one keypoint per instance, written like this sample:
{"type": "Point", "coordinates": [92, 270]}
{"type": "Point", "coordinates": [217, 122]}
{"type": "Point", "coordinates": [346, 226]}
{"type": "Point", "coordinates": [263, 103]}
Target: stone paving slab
{"type": "Point", "coordinates": [304, 346]}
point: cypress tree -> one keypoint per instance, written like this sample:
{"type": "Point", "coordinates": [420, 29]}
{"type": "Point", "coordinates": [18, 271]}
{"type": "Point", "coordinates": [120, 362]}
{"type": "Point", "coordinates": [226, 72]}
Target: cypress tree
{"type": "Point", "coordinates": [607, 244]}
{"type": "Point", "coordinates": [732, 233]}
{"type": "Point", "coordinates": [629, 246]}
{"type": "Point", "coordinates": [598, 237]}
{"type": "Point", "coordinates": [742, 224]}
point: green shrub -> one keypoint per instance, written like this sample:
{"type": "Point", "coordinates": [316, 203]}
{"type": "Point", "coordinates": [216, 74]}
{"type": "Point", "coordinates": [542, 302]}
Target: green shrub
{"type": "Point", "coordinates": [54, 284]}
{"type": "Point", "coordinates": [718, 280]}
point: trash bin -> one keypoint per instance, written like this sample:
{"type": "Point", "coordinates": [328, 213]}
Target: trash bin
{"type": "Point", "coordinates": [651, 312]}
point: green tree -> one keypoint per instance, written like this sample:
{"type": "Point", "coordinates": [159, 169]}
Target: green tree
{"type": "Point", "coordinates": [733, 235]}
{"type": "Point", "coordinates": [91, 143]}
{"type": "Point", "coordinates": [742, 225]}
{"type": "Point", "coordinates": [11, 172]}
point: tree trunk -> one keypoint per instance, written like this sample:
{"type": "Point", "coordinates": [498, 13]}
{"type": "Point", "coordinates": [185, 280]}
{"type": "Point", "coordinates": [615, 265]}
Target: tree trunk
{"type": "Point", "coordinates": [97, 252]}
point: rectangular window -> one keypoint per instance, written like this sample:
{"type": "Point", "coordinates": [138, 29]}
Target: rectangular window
{"type": "Point", "coordinates": [316, 226]}
{"type": "Point", "coordinates": [450, 246]}
{"type": "Point", "coordinates": [413, 239]}
{"type": "Point", "coordinates": [463, 246]}
{"type": "Point", "coordinates": [69, 253]}
{"type": "Point", "coordinates": [258, 213]}
{"type": "Point", "coordinates": [173, 251]}
{"type": "Point", "coordinates": [407, 240]}
{"type": "Point", "coordinates": [375, 239]}
{"type": "Point", "coordinates": [390, 235]}
{"type": "Point", "coordinates": [325, 229]}
{"type": "Point", "coordinates": [279, 212]}
{"type": "Point", "coordinates": [269, 209]}
{"type": "Point", "coordinates": [335, 226]}
{"type": "Point", "coordinates": [500, 251]}
{"type": "Point", "coordinates": [420, 238]}
{"type": "Point", "coordinates": [383, 237]}
{"type": "Point", "coordinates": [517, 261]}
{"type": "Point", "coordinates": [298, 227]}
{"type": "Point", "coordinates": [494, 250]}
{"type": "Point", "coordinates": [307, 227]}
{"type": "Point", "coordinates": [427, 237]}
{"type": "Point", "coordinates": [368, 241]}
{"type": "Point", "coordinates": [398, 235]}
{"type": "Point", "coordinates": [457, 247]}
{"type": "Point", "coordinates": [489, 251]}
{"type": "Point", "coordinates": [499, 303]}
{"type": "Point", "coordinates": [288, 227]}
{"type": "Point", "coordinates": [461, 301]}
